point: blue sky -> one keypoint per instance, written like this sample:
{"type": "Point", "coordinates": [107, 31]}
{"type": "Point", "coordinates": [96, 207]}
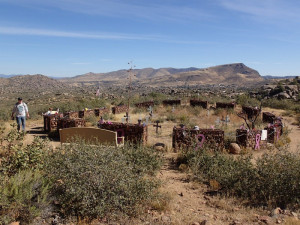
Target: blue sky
{"type": "Point", "coordinates": [72, 37]}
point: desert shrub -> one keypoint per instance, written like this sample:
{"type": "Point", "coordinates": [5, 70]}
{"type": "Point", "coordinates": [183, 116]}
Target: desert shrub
{"type": "Point", "coordinates": [21, 157]}
{"type": "Point", "coordinates": [195, 110]}
{"type": "Point", "coordinates": [280, 104]}
{"type": "Point", "coordinates": [218, 112]}
{"type": "Point", "coordinates": [92, 120]}
{"type": "Point", "coordinates": [108, 116]}
{"type": "Point", "coordinates": [145, 160]}
{"type": "Point", "coordinates": [138, 110]}
{"type": "Point", "coordinates": [5, 114]}
{"type": "Point", "coordinates": [278, 180]}
{"type": "Point", "coordinates": [184, 119]}
{"type": "Point", "coordinates": [23, 196]}
{"type": "Point", "coordinates": [171, 117]}
{"type": "Point", "coordinates": [157, 97]}
{"type": "Point", "coordinates": [273, 181]}
{"type": "Point", "coordinates": [284, 139]}
{"type": "Point", "coordinates": [246, 100]}
{"type": "Point", "coordinates": [94, 181]}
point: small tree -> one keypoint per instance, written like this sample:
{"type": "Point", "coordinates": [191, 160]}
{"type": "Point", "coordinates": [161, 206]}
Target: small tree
{"type": "Point", "coordinates": [250, 122]}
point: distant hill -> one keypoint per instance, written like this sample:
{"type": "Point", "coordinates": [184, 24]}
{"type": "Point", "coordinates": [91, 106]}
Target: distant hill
{"type": "Point", "coordinates": [123, 74]}
{"type": "Point", "coordinates": [8, 76]}
{"type": "Point", "coordinates": [269, 77]}
{"type": "Point", "coordinates": [29, 83]}
{"type": "Point", "coordinates": [236, 73]}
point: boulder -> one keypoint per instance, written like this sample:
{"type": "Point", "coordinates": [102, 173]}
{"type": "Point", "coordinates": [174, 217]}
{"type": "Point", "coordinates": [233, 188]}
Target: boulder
{"type": "Point", "coordinates": [291, 88]}
{"type": "Point", "coordinates": [160, 147]}
{"type": "Point", "coordinates": [234, 148]}
{"type": "Point", "coordinates": [283, 95]}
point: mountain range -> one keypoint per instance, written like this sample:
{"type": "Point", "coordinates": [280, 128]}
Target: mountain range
{"type": "Point", "coordinates": [236, 73]}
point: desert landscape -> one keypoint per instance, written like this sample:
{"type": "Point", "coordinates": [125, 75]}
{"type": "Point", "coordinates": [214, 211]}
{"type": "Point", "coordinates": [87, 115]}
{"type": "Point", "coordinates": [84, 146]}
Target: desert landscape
{"type": "Point", "coordinates": [136, 112]}
{"type": "Point", "coordinates": [164, 124]}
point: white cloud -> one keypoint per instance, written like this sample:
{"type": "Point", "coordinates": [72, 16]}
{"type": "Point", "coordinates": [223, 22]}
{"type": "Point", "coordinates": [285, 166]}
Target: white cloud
{"type": "Point", "coordinates": [145, 9]}
{"type": "Point", "coordinates": [106, 36]}
{"type": "Point", "coordinates": [263, 10]}
{"type": "Point", "coordinates": [56, 33]}
{"type": "Point", "coordinates": [81, 63]}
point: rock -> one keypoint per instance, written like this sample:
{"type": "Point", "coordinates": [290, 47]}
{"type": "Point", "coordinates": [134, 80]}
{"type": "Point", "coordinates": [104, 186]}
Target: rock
{"type": "Point", "coordinates": [276, 212]}
{"type": "Point", "coordinates": [195, 223]}
{"type": "Point", "coordinates": [183, 167]}
{"type": "Point", "coordinates": [234, 148]}
{"type": "Point", "coordinates": [294, 214]}
{"type": "Point", "coordinates": [15, 223]}
{"type": "Point", "coordinates": [160, 147]}
{"type": "Point", "coordinates": [166, 219]}
{"type": "Point", "coordinates": [291, 87]}
{"type": "Point", "coordinates": [283, 95]}
{"type": "Point", "coordinates": [264, 219]}
{"type": "Point", "coordinates": [204, 222]}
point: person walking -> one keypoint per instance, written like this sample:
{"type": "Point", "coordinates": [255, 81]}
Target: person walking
{"type": "Point", "coordinates": [20, 110]}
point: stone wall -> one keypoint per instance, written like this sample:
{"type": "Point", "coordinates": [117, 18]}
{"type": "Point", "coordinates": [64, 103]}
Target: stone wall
{"type": "Point", "coordinates": [132, 133]}
{"type": "Point", "coordinates": [171, 102]}
{"type": "Point", "coordinates": [101, 111]}
{"type": "Point", "coordinates": [203, 104]}
{"type": "Point", "coordinates": [250, 111]}
{"type": "Point", "coordinates": [268, 117]}
{"type": "Point", "coordinates": [67, 123]}
{"type": "Point", "coordinates": [187, 138]}
{"type": "Point", "coordinates": [144, 104]}
{"type": "Point", "coordinates": [247, 139]}
{"type": "Point", "coordinates": [50, 122]}
{"type": "Point", "coordinates": [274, 133]}
{"type": "Point", "coordinates": [119, 109]}
{"type": "Point", "coordinates": [71, 115]}
{"type": "Point", "coordinates": [221, 105]}
{"type": "Point", "coordinates": [85, 113]}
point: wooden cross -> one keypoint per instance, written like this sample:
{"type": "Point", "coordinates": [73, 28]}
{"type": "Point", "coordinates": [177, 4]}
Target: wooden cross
{"type": "Point", "coordinates": [227, 120]}
{"type": "Point", "coordinates": [157, 126]}
{"type": "Point", "coordinates": [150, 111]}
{"type": "Point", "coordinates": [127, 117]}
{"type": "Point", "coordinates": [217, 122]}
{"type": "Point", "coordinates": [139, 121]}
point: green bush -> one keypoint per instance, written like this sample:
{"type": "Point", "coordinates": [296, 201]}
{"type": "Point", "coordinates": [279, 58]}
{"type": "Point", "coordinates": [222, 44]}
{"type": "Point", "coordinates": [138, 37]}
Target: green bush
{"type": "Point", "coordinates": [94, 181]}
{"type": "Point", "coordinates": [273, 181]}
{"type": "Point", "coordinates": [23, 196]}
{"type": "Point", "coordinates": [21, 157]}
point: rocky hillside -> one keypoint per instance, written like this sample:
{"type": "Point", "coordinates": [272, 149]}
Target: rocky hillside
{"type": "Point", "coordinates": [236, 73]}
{"type": "Point", "coordinates": [123, 74]}
{"type": "Point", "coordinates": [29, 83]}
{"type": "Point", "coordinates": [284, 89]}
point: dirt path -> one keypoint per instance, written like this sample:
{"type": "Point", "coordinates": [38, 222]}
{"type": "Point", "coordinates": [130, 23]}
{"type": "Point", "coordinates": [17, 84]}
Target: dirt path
{"type": "Point", "coordinates": [191, 205]}
{"type": "Point", "coordinates": [294, 134]}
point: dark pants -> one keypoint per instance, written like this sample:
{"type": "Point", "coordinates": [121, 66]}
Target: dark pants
{"type": "Point", "coordinates": [21, 120]}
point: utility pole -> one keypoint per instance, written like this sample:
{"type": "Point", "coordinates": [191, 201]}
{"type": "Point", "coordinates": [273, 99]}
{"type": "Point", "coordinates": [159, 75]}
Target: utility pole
{"type": "Point", "coordinates": [130, 74]}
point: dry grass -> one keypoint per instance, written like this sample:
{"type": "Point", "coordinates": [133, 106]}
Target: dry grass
{"type": "Point", "coordinates": [292, 221]}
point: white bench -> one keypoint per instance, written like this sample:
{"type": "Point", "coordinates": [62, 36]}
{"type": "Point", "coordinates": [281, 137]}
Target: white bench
{"type": "Point", "coordinates": [90, 135]}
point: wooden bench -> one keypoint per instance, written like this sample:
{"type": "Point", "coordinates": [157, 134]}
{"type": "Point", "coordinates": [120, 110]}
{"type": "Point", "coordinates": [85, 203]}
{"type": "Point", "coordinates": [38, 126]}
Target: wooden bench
{"type": "Point", "coordinates": [91, 135]}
